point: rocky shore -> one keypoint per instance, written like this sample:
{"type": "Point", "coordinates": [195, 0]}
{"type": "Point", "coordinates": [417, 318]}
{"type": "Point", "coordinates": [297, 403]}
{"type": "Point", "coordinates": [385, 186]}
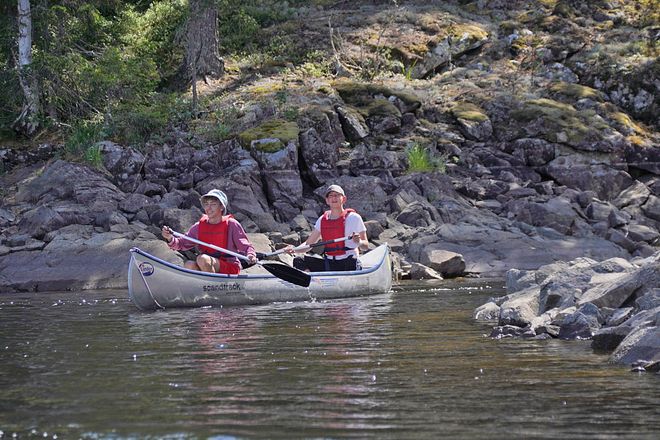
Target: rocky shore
{"type": "Point", "coordinates": [614, 302]}
{"type": "Point", "coordinates": [531, 167]}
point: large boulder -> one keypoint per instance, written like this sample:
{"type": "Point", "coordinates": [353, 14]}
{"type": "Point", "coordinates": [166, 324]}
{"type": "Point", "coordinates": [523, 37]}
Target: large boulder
{"type": "Point", "coordinates": [77, 258]}
{"type": "Point", "coordinates": [320, 138]}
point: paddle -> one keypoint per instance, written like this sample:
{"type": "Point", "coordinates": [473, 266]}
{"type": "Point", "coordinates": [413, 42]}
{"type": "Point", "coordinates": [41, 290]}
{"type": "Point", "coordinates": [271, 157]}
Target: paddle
{"type": "Point", "coordinates": [282, 271]}
{"type": "Point", "coordinates": [305, 246]}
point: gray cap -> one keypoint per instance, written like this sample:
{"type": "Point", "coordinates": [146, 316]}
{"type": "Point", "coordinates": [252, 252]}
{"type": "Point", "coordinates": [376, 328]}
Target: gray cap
{"type": "Point", "coordinates": [217, 194]}
{"type": "Point", "coordinates": [335, 188]}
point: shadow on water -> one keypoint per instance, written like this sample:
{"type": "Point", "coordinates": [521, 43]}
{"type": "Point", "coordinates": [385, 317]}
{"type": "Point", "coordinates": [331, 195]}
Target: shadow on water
{"type": "Point", "coordinates": [409, 364]}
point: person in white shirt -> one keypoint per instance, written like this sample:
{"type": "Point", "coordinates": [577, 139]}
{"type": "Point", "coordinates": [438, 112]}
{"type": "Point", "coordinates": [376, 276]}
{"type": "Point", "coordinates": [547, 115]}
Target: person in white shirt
{"type": "Point", "coordinates": [335, 223]}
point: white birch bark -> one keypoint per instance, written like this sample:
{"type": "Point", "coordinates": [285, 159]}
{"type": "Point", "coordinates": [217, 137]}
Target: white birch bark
{"type": "Point", "coordinates": [27, 122]}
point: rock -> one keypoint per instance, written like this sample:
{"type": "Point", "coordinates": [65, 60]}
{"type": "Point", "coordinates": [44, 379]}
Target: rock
{"type": "Point", "coordinates": [520, 309]}
{"type": "Point", "coordinates": [353, 123]}
{"type": "Point", "coordinates": [616, 293]}
{"type": "Point", "coordinates": [652, 207]}
{"type": "Point", "coordinates": [644, 233]}
{"type": "Point", "coordinates": [449, 264]}
{"type": "Point", "coordinates": [124, 164]}
{"type": "Point", "coordinates": [320, 138]}
{"type": "Point", "coordinates": [643, 158]}
{"type": "Point", "coordinates": [557, 294]}
{"type": "Point", "coordinates": [279, 170]}
{"type": "Point", "coordinates": [457, 39]}
{"type": "Point", "coordinates": [489, 311]}
{"type": "Point", "coordinates": [620, 316]}
{"type": "Point", "coordinates": [65, 263]}
{"type": "Point", "coordinates": [551, 330]}
{"type": "Point", "coordinates": [582, 324]}
{"type": "Point", "coordinates": [508, 331]}
{"type": "Point", "coordinates": [418, 214]}
{"type": "Point", "coordinates": [607, 182]}
{"type": "Point", "coordinates": [556, 213]}
{"type": "Point", "coordinates": [609, 338]}
{"type": "Point", "coordinates": [533, 152]}
{"type": "Point", "coordinates": [650, 300]}
{"type": "Point", "coordinates": [374, 229]}
{"type": "Point", "coordinates": [640, 344]}
{"type": "Point", "coordinates": [636, 194]}
{"type": "Point", "coordinates": [473, 121]}
{"type": "Point", "coordinates": [421, 272]}
{"type": "Point", "coordinates": [620, 239]}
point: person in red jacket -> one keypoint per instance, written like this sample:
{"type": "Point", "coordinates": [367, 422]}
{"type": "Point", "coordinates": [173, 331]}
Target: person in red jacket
{"type": "Point", "coordinates": [335, 223]}
{"type": "Point", "coordinates": [218, 229]}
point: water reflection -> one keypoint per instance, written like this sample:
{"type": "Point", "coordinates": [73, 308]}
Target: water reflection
{"type": "Point", "coordinates": [248, 361]}
{"type": "Point", "coordinates": [411, 364]}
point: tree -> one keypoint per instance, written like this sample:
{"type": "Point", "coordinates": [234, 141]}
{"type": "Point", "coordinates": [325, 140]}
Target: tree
{"type": "Point", "coordinates": [202, 44]}
{"type": "Point", "coordinates": [27, 121]}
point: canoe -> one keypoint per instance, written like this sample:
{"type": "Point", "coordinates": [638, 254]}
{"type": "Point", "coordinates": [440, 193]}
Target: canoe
{"type": "Point", "coordinates": [157, 284]}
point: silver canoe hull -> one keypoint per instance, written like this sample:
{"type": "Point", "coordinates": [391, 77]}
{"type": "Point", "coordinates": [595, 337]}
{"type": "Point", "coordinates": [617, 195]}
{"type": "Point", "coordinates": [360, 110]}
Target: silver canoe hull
{"type": "Point", "coordinates": [157, 284]}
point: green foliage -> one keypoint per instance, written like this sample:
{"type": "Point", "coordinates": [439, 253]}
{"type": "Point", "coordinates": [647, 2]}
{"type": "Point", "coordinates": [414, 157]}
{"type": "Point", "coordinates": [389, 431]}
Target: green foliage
{"type": "Point", "coordinates": [121, 78]}
{"type": "Point", "coordinates": [241, 23]}
{"type": "Point", "coordinates": [408, 71]}
{"type": "Point", "coordinates": [71, 26]}
{"type": "Point", "coordinates": [135, 123]}
{"type": "Point", "coordinates": [83, 67]}
{"type": "Point", "coordinates": [153, 34]}
{"type": "Point", "coordinates": [291, 113]}
{"type": "Point", "coordinates": [93, 156]}
{"type": "Point", "coordinates": [90, 28]}
{"type": "Point", "coordinates": [107, 59]}
{"type": "Point", "coordinates": [316, 64]}
{"type": "Point", "coordinates": [80, 88]}
{"type": "Point", "coordinates": [218, 126]}
{"type": "Point", "coordinates": [238, 31]}
{"type": "Point", "coordinates": [7, 30]}
{"type": "Point", "coordinates": [649, 12]}
{"type": "Point", "coordinates": [10, 101]}
{"type": "Point", "coordinates": [81, 140]}
{"type": "Point", "coordinates": [420, 160]}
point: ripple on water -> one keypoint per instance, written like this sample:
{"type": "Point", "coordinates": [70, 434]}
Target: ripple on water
{"type": "Point", "coordinates": [411, 364]}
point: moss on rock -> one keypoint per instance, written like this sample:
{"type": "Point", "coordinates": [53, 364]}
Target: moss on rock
{"type": "Point", "coordinates": [380, 107]}
{"type": "Point", "coordinates": [626, 121]}
{"type": "Point", "coordinates": [469, 112]}
{"type": "Point", "coordinates": [363, 95]}
{"type": "Point", "coordinates": [466, 31]}
{"type": "Point", "coordinates": [576, 91]}
{"type": "Point", "coordinates": [562, 122]}
{"type": "Point", "coordinates": [283, 131]}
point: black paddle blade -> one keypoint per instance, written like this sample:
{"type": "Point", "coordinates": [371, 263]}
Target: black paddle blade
{"type": "Point", "coordinates": [288, 273]}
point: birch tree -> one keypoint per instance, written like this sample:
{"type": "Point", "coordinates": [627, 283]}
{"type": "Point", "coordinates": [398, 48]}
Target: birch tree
{"type": "Point", "coordinates": [27, 121]}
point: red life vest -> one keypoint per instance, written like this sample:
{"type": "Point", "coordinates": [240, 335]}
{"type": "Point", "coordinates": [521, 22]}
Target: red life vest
{"type": "Point", "coordinates": [334, 228]}
{"type": "Point", "coordinates": [217, 234]}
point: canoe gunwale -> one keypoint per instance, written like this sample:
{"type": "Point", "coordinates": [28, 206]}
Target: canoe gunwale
{"type": "Point", "coordinates": [252, 276]}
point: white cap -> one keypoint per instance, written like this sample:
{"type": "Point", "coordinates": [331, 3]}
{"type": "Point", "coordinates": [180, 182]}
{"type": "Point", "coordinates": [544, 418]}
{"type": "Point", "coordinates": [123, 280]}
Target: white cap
{"type": "Point", "coordinates": [217, 194]}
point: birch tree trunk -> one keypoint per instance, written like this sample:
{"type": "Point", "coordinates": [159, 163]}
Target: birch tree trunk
{"type": "Point", "coordinates": [27, 122]}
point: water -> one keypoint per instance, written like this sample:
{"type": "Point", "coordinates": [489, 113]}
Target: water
{"type": "Point", "coordinates": [412, 364]}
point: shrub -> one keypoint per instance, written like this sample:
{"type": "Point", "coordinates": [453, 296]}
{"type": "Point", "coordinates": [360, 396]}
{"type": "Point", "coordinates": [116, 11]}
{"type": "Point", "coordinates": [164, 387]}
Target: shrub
{"type": "Point", "coordinates": [152, 34]}
{"type": "Point", "coordinates": [134, 124]}
{"type": "Point", "coordinates": [81, 139]}
{"type": "Point", "coordinates": [420, 160]}
{"type": "Point", "coordinates": [238, 31]}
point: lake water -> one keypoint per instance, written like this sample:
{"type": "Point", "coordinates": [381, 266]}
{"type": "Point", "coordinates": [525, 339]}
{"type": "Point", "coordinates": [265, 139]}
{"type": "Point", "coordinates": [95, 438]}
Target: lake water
{"type": "Point", "coordinates": [411, 364]}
